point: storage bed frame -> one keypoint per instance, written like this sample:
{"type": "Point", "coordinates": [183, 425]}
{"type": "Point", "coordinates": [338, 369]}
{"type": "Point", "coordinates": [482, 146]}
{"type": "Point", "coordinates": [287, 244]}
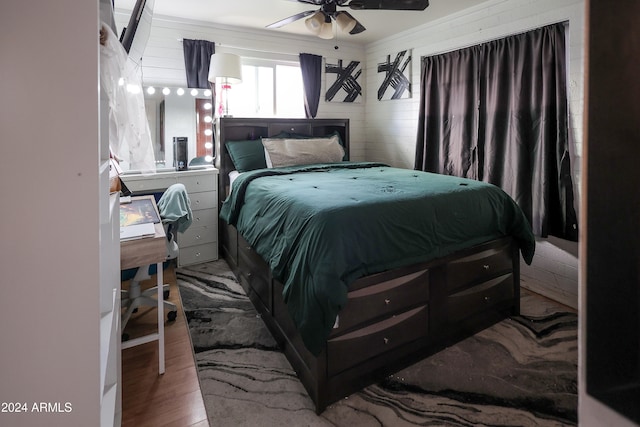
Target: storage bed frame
{"type": "Point", "coordinates": [392, 319]}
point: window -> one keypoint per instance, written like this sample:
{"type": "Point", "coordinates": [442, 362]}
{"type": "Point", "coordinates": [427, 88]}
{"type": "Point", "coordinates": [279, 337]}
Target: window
{"type": "Point", "coordinates": [268, 89]}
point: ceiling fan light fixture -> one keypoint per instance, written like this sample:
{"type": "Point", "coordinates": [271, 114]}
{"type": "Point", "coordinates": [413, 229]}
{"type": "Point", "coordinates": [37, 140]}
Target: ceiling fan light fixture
{"type": "Point", "coordinates": [345, 22]}
{"type": "Point", "coordinates": [315, 22]}
{"type": "Point", "coordinates": [326, 32]}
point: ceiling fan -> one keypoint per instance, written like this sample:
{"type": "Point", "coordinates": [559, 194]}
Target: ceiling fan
{"type": "Point", "coordinates": [320, 22]}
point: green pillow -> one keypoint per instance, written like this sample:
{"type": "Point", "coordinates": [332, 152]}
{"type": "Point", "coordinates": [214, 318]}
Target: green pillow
{"type": "Point", "coordinates": [247, 155]}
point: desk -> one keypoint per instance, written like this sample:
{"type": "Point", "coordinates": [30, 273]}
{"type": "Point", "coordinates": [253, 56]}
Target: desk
{"type": "Point", "coordinates": [143, 252]}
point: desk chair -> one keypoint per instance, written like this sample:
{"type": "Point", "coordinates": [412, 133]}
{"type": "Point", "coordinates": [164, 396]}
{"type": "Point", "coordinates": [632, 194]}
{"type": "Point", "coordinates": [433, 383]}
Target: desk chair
{"type": "Point", "coordinates": [175, 213]}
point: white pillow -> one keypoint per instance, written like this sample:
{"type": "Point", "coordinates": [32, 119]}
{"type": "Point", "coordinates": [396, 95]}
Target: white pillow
{"type": "Point", "coordinates": [232, 177]}
{"type": "Point", "coordinates": [280, 152]}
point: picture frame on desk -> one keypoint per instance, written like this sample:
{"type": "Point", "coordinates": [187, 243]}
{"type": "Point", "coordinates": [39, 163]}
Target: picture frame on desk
{"type": "Point", "coordinates": [138, 211]}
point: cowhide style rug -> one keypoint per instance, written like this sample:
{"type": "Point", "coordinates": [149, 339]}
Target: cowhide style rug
{"type": "Point", "coordinates": [519, 372]}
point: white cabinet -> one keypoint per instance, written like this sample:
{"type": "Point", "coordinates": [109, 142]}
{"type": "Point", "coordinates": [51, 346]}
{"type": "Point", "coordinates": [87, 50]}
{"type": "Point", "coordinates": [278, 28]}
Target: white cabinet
{"type": "Point", "coordinates": [199, 243]}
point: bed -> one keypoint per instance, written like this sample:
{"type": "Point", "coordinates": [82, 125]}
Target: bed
{"type": "Point", "coordinates": [347, 298]}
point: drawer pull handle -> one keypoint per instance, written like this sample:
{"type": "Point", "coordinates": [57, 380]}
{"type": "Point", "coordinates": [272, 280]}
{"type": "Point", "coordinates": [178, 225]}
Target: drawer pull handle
{"type": "Point", "coordinates": [386, 341]}
{"type": "Point", "coordinates": [487, 299]}
{"type": "Point", "coordinates": [486, 266]}
{"type": "Point", "coordinates": [387, 301]}
{"type": "Point", "coordinates": [198, 237]}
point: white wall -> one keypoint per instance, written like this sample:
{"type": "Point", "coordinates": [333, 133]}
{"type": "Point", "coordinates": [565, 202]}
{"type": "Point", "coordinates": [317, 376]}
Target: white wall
{"type": "Point", "coordinates": [163, 61]}
{"type": "Point", "coordinates": [391, 126]}
{"type": "Point", "coordinates": [49, 309]}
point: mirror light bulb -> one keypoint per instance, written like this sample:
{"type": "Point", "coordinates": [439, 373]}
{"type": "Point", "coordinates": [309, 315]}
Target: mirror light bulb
{"type": "Point", "coordinates": [133, 88]}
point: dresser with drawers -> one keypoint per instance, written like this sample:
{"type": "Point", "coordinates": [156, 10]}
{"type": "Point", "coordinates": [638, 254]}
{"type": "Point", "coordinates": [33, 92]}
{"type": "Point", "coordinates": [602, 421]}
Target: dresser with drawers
{"type": "Point", "coordinates": [199, 243]}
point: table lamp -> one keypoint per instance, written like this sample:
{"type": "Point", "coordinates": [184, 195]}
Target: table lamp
{"type": "Point", "coordinates": [227, 69]}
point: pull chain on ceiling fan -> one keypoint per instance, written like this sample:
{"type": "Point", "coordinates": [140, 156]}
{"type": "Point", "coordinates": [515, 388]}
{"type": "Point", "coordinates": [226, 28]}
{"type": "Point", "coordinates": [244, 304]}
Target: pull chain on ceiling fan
{"type": "Point", "coordinates": [320, 22]}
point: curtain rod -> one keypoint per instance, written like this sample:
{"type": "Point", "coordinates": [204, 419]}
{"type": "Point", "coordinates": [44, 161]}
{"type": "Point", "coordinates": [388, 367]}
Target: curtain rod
{"type": "Point", "coordinates": [251, 49]}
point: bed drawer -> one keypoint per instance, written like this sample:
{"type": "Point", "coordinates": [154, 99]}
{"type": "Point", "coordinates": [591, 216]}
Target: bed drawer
{"type": "Point", "coordinates": [355, 347]}
{"type": "Point", "coordinates": [478, 267]}
{"type": "Point", "coordinates": [384, 299]}
{"type": "Point", "coordinates": [253, 272]}
{"type": "Point", "coordinates": [477, 299]}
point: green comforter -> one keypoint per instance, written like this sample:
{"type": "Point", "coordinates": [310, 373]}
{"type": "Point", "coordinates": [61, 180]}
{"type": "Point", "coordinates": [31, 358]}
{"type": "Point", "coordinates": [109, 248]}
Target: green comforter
{"type": "Point", "coordinates": [320, 227]}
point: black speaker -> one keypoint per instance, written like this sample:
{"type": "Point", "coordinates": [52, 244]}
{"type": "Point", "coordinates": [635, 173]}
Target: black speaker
{"type": "Point", "coordinates": [180, 154]}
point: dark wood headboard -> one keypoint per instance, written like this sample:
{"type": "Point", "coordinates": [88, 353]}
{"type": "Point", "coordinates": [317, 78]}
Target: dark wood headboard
{"type": "Point", "coordinates": [239, 129]}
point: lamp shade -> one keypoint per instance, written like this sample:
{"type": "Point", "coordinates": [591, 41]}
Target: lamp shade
{"type": "Point", "coordinates": [225, 66]}
{"type": "Point", "coordinates": [314, 22]}
{"type": "Point", "coordinates": [345, 21]}
{"type": "Point", "coordinates": [326, 32]}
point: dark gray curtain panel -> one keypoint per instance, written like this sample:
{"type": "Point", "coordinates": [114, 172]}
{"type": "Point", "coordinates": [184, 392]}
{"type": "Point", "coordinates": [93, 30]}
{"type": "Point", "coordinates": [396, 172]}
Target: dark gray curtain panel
{"type": "Point", "coordinates": [497, 112]}
{"type": "Point", "coordinates": [197, 55]}
{"type": "Point", "coordinates": [311, 67]}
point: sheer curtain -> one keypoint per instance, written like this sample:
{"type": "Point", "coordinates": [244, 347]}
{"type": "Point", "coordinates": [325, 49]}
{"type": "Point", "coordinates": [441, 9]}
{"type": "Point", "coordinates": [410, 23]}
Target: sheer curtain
{"type": "Point", "coordinates": [197, 56]}
{"type": "Point", "coordinates": [497, 112]}
{"type": "Point", "coordinates": [311, 66]}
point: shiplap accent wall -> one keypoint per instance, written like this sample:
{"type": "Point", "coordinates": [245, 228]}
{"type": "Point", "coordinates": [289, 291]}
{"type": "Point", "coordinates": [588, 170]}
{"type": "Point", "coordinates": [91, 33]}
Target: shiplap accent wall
{"type": "Point", "coordinates": [391, 126]}
{"type": "Point", "coordinates": [163, 61]}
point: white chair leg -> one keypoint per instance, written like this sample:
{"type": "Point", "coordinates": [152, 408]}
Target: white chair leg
{"type": "Point", "coordinates": [134, 299]}
{"type": "Point", "coordinates": [133, 305]}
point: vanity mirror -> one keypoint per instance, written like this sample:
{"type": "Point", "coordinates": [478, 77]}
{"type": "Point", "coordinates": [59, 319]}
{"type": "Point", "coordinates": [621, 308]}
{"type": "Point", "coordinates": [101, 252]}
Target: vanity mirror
{"type": "Point", "coordinates": [177, 113]}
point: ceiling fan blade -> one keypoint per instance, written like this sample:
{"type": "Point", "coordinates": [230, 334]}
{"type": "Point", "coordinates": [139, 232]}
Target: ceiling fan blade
{"type": "Point", "coordinates": [358, 28]}
{"type": "Point", "coordinates": [316, 2]}
{"type": "Point", "coordinates": [291, 19]}
{"type": "Point", "coordinates": [389, 4]}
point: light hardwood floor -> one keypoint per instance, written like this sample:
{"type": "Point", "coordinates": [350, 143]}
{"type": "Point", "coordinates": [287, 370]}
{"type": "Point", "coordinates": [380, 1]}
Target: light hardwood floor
{"type": "Point", "coordinates": [171, 399]}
